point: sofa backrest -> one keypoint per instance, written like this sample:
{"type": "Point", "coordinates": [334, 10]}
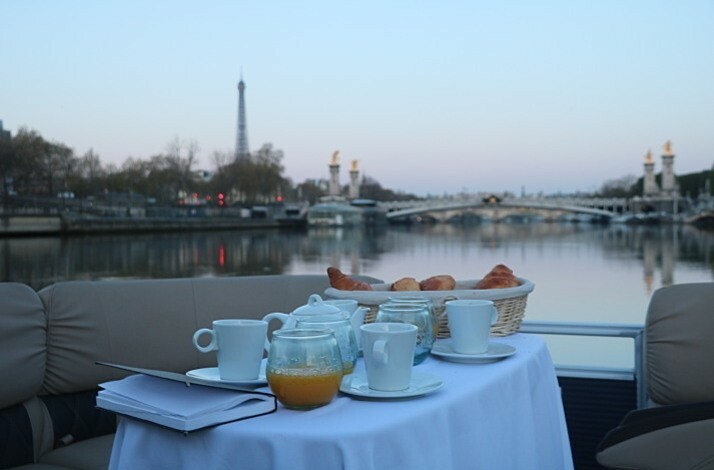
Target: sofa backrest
{"type": "Point", "coordinates": [22, 339]}
{"type": "Point", "coordinates": [680, 344]}
{"type": "Point", "coordinates": [150, 323]}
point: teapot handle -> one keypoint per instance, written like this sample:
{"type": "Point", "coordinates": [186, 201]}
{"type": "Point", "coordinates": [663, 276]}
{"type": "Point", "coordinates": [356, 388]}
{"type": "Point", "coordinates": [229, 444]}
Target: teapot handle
{"type": "Point", "coordinates": [283, 317]}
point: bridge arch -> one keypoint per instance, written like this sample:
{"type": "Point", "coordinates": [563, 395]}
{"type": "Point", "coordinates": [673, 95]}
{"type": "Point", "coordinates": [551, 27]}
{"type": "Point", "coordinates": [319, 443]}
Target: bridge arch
{"type": "Point", "coordinates": [497, 210]}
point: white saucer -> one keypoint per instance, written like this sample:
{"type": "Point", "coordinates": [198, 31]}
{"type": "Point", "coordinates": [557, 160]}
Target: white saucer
{"type": "Point", "coordinates": [211, 373]}
{"type": "Point", "coordinates": [421, 384]}
{"type": "Point", "coordinates": [495, 352]}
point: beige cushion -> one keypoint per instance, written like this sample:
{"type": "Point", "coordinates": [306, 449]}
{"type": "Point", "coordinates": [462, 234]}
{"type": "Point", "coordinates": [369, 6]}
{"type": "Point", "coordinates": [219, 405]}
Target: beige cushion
{"type": "Point", "coordinates": [687, 446]}
{"type": "Point", "coordinates": [254, 296]}
{"type": "Point", "coordinates": [22, 336]}
{"type": "Point", "coordinates": [150, 323]}
{"type": "Point", "coordinates": [680, 344]}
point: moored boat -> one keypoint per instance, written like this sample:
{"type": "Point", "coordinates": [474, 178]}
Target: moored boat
{"type": "Point", "coordinates": [372, 214]}
{"type": "Point", "coordinates": [334, 214]}
{"type": "Point", "coordinates": [703, 219]}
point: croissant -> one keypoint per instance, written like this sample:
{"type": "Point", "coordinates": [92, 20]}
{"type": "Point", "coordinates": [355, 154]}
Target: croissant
{"type": "Point", "coordinates": [500, 277]}
{"type": "Point", "coordinates": [341, 281]}
{"type": "Point", "coordinates": [497, 282]}
{"type": "Point", "coordinates": [405, 283]}
{"type": "Point", "coordinates": [441, 282]}
{"type": "Point", "coordinates": [500, 270]}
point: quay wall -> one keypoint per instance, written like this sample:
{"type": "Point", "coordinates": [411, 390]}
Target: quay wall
{"type": "Point", "coordinates": [30, 225]}
{"type": "Point", "coordinates": [57, 225]}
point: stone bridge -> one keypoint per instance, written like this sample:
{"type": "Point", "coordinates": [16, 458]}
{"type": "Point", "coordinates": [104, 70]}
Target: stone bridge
{"type": "Point", "coordinates": [500, 209]}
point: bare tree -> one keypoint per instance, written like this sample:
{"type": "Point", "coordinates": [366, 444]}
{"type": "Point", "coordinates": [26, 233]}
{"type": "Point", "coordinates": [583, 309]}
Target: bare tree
{"type": "Point", "coordinates": [625, 186]}
{"type": "Point", "coordinates": [30, 151]}
{"type": "Point", "coordinates": [7, 166]}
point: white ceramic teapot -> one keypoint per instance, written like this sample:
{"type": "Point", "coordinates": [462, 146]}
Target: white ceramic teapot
{"type": "Point", "coordinates": [317, 307]}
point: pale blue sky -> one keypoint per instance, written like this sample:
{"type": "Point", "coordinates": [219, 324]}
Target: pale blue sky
{"type": "Point", "coordinates": [429, 96]}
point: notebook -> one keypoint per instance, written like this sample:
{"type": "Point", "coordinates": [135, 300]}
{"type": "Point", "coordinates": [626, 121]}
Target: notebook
{"type": "Point", "coordinates": [180, 402]}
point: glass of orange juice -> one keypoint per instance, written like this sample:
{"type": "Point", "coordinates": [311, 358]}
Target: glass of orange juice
{"type": "Point", "coordinates": [304, 367]}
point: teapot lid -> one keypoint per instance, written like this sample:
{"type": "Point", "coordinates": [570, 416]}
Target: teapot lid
{"type": "Point", "coordinates": [315, 306]}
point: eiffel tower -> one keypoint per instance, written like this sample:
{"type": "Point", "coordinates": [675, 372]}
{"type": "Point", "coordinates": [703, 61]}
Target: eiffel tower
{"type": "Point", "coordinates": [242, 134]}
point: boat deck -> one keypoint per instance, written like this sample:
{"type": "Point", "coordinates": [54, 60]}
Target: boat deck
{"type": "Point", "coordinates": [596, 400]}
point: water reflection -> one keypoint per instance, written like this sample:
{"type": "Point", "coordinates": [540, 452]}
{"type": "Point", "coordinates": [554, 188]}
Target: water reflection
{"type": "Point", "coordinates": [546, 253]}
{"type": "Point", "coordinates": [42, 261]}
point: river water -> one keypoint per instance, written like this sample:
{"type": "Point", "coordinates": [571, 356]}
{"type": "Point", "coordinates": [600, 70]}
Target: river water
{"type": "Point", "coordinates": [582, 272]}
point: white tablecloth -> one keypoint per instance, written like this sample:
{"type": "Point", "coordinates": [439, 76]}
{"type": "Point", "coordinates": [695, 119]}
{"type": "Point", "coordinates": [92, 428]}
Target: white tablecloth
{"type": "Point", "coordinates": [502, 415]}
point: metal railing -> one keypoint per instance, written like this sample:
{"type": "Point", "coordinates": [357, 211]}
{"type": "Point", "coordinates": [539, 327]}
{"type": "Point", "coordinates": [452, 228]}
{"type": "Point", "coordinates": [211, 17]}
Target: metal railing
{"type": "Point", "coordinates": [610, 330]}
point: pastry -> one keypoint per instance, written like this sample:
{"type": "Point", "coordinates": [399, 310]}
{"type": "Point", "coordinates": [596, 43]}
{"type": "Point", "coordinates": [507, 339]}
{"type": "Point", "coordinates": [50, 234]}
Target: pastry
{"type": "Point", "coordinates": [341, 281]}
{"type": "Point", "coordinates": [405, 283]}
{"type": "Point", "coordinates": [500, 277]}
{"type": "Point", "coordinates": [501, 269]}
{"type": "Point", "coordinates": [497, 282]}
{"type": "Point", "coordinates": [441, 282]}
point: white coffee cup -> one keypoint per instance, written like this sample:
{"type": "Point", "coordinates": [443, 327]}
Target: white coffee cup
{"type": "Point", "coordinates": [239, 346]}
{"type": "Point", "coordinates": [470, 322]}
{"type": "Point", "coordinates": [388, 350]}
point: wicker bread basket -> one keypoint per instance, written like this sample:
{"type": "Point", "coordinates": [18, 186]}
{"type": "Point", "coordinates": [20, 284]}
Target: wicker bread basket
{"type": "Point", "coordinates": [510, 302]}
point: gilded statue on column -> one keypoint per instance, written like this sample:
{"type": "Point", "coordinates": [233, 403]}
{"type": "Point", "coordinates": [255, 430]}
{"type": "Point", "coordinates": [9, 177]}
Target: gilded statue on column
{"type": "Point", "coordinates": [667, 148]}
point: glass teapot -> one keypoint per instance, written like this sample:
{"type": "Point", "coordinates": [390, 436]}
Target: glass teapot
{"type": "Point", "coordinates": [304, 367]}
{"type": "Point", "coordinates": [343, 331]}
{"type": "Point", "coordinates": [415, 313]}
{"type": "Point", "coordinates": [316, 307]}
